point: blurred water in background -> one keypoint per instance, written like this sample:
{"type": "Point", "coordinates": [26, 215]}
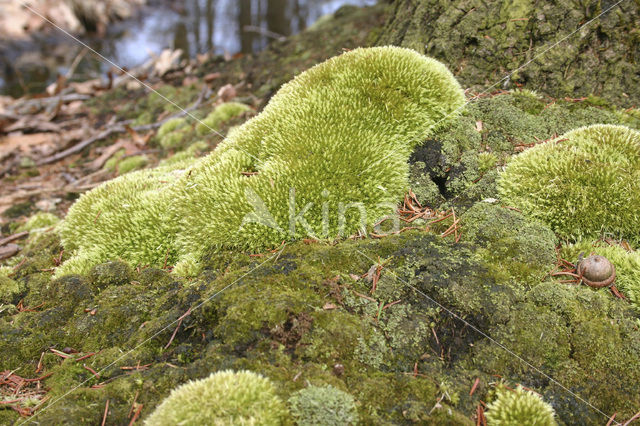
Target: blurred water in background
{"type": "Point", "coordinates": [195, 26]}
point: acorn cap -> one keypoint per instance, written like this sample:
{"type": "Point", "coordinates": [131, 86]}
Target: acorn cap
{"type": "Point", "coordinates": [597, 271]}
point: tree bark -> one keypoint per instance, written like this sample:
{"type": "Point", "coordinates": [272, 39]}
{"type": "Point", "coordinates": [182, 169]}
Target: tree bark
{"type": "Point", "coordinates": [557, 47]}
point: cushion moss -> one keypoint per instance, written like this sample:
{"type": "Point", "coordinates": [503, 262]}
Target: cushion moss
{"type": "Point", "coordinates": [334, 140]}
{"type": "Point", "coordinates": [224, 398]}
{"type": "Point", "coordinates": [584, 184]}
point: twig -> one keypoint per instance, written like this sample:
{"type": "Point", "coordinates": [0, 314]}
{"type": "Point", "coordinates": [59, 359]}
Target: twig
{"type": "Point", "coordinates": [13, 237]}
{"type": "Point", "coordinates": [475, 385]}
{"type": "Point", "coordinates": [178, 326]}
{"type": "Point", "coordinates": [637, 416]}
{"type": "Point", "coordinates": [106, 411]}
{"type": "Point", "coordinates": [119, 127]}
{"type": "Point", "coordinates": [136, 415]}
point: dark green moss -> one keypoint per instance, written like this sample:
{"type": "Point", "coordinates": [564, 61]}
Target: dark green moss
{"type": "Point", "coordinates": [514, 247]}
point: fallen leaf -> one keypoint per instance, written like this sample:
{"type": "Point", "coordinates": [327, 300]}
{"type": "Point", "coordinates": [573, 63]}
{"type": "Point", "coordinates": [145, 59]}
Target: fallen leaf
{"type": "Point", "coordinates": [24, 143]}
{"type": "Point", "coordinates": [227, 93]}
{"type": "Point", "coordinates": [328, 306]}
{"type": "Point", "coordinates": [88, 87]}
{"type": "Point", "coordinates": [211, 76]}
{"type": "Point", "coordinates": [8, 251]}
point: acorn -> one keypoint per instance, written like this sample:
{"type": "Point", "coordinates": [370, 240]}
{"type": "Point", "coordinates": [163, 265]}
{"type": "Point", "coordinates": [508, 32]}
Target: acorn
{"type": "Point", "coordinates": [597, 271]}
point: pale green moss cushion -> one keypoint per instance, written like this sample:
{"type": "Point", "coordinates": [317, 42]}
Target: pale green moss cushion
{"type": "Point", "coordinates": [519, 407]}
{"type": "Point", "coordinates": [584, 184]}
{"type": "Point", "coordinates": [224, 398]}
{"type": "Point", "coordinates": [334, 140]}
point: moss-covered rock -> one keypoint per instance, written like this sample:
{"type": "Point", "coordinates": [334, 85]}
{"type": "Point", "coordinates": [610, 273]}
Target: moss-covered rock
{"type": "Point", "coordinates": [523, 250]}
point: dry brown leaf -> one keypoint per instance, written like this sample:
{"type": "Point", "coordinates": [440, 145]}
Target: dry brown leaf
{"type": "Point", "coordinates": [227, 93]}
{"type": "Point", "coordinates": [24, 143]}
{"type": "Point", "coordinates": [89, 87]}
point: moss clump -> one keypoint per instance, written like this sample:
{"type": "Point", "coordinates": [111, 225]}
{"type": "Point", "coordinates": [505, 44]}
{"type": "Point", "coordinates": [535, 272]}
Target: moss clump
{"type": "Point", "coordinates": [334, 140]}
{"type": "Point", "coordinates": [519, 407]}
{"type": "Point", "coordinates": [513, 246]}
{"type": "Point", "coordinates": [112, 163]}
{"type": "Point", "coordinates": [127, 218]}
{"type": "Point", "coordinates": [225, 397]}
{"type": "Point", "coordinates": [323, 405]}
{"type": "Point", "coordinates": [221, 114]}
{"type": "Point", "coordinates": [627, 264]}
{"type": "Point", "coordinates": [332, 144]}
{"type": "Point", "coordinates": [584, 184]}
{"type": "Point", "coordinates": [39, 221]}
{"type": "Point", "coordinates": [134, 162]}
{"type": "Point", "coordinates": [9, 289]}
{"type": "Point", "coordinates": [172, 133]}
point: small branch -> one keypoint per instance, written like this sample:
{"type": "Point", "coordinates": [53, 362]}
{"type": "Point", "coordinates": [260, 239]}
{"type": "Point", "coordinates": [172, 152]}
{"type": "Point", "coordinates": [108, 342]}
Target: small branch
{"type": "Point", "coordinates": [13, 237]}
{"type": "Point", "coordinates": [119, 127]}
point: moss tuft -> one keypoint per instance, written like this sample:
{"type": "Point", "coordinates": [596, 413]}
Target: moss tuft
{"type": "Point", "coordinates": [519, 407]}
{"type": "Point", "coordinates": [323, 405]}
{"type": "Point", "coordinates": [221, 114]}
{"type": "Point", "coordinates": [39, 221]}
{"type": "Point", "coordinates": [332, 143]}
{"type": "Point", "coordinates": [225, 397]}
{"type": "Point", "coordinates": [172, 133]}
{"type": "Point", "coordinates": [134, 162]}
{"type": "Point", "coordinates": [584, 184]}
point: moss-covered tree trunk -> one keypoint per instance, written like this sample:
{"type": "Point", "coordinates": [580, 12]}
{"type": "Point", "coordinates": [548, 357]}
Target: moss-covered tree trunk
{"type": "Point", "coordinates": [482, 41]}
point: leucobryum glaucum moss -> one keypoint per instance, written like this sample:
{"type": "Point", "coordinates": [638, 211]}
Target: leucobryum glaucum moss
{"type": "Point", "coordinates": [584, 184]}
{"type": "Point", "coordinates": [223, 398]}
{"type": "Point", "coordinates": [519, 407]}
{"type": "Point", "coordinates": [326, 157]}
